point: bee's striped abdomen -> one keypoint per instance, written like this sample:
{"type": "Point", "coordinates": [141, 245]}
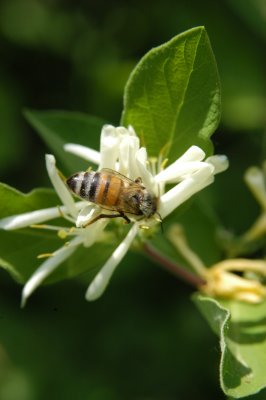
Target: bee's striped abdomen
{"type": "Point", "coordinates": [98, 187]}
{"type": "Point", "coordinates": [112, 190]}
{"type": "Point", "coordinates": [83, 184]}
{"type": "Point", "coordinates": [108, 190]}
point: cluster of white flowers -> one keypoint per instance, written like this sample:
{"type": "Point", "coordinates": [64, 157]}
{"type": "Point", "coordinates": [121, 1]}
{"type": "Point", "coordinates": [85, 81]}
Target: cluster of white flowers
{"type": "Point", "coordinates": [120, 151]}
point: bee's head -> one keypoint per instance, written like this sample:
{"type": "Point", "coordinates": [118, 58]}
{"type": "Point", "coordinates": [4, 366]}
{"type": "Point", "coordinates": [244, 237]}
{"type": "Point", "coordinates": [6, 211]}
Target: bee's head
{"type": "Point", "coordinates": [148, 204]}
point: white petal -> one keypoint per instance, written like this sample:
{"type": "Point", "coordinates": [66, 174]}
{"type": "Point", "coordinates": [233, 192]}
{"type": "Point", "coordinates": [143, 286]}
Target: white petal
{"type": "Point", "coordinates": [101, 280]}
{"type": "Point", "coordinates": [128, 147]}
{"type": "Point", "coordinates": [194, 153]}
{"type": "Point", "coordinates": [123, 155]}
{"type": "Point", "coordinates": [85, 215]}
{"type": "Point", "coordinates": [179, 171]}
{"type": "Point", "coordinates": [123, 132]}
{"type": "Point", "coordinates": [34, 217]}
{"type": "Point", "coordinates": [59, 185]}
{"type": "Point", "coordinates": [132, 162]}
{"type": "Point", "coordinates": [48, 267]}
{"type": "Point", "coordinates": [109, 147]}
{"type": "Point", "coordinates": [255, 180]}
{"type": "Point", "coordinates": [87, 153]}
{"type": "Point", "coordinates": [131, 130]}
{"type": "Point", "coordinates": [185, 189]}
{"type": "Point", "coordinates": [220, 163]}
{"type": "Point", "coordinates": [93, 233]}
{"type": "Point", "coordinates": [146, 176]}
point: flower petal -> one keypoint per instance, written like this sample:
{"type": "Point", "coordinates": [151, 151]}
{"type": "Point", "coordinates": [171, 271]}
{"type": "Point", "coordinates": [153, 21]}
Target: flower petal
{"type": "Point", "coordinates": [48, 267]}
{"type": "Point", "coordinates": [193, 154]}
{"type": "Point", "coordinates": [132, 148]}
{"type": "Point", "coordinates": [102, 279]}
{"type": "Point", "coordinates": [124, 148]}
{"type": "Point", "coordinates": [93, 233]}
{"type": "Point", "coordinates": [84, 152]}
{"type": "Point", "coordinates": [179, 171]}
{"type": "Point", "coordinates": [147, 178]}
{"type": "Point", "coordinates": [185, 189]}
{"type": "Point", "coordinates": [85, 214]}
{"type": "Point", "coordinates": [109, 147]}
{"type": "Point", "coordinates": [59, 185]}
{"type": "Point", "coordinates": [220, 163]}
{"type": "Point", "coordinates": [34, 217]}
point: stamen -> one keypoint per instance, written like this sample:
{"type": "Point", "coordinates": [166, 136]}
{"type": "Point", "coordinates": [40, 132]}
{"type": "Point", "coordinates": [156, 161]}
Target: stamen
{"type": "Point", "coordinates": [144, 227]}
{"type": "Point", "coordinates": [152, 162]}
{"type": "Point", "coordinates": [62, 234]}
{"type": "Point", "coordinates": [49, 227]}
{"type": "Point", "coordinates": [45, 255]}
{"type": "Point", "coordinates": [163, 164]}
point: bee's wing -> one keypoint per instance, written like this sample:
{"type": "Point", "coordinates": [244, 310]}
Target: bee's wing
{"type": "Point", "coordinates": [121, 176]}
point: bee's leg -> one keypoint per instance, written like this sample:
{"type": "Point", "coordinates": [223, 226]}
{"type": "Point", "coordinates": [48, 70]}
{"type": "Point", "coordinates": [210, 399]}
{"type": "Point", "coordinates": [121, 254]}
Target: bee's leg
{"type": "Point", "coordinates": [100, 216]}
{"type": "Point", "coordinates": [122, 215]}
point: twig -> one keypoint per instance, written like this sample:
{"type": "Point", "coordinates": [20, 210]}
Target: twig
{"type": "Point", "coordinates": [187, 276]}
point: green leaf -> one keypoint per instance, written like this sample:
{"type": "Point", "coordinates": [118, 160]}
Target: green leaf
{"type": "Point", "coordinates": [172, 97]}
{"type": "Point", "coordinates": [242, 332]}
{"type": "Point", "coordinates": [20, 248]}
{"type": "Point", "coordinates": [15, 202]}
{"type": "Point", "coordinates": [59, 127]}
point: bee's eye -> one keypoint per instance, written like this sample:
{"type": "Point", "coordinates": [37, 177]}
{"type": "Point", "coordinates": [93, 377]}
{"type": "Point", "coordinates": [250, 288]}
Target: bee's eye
{"type": "Point", "coordinates": [135, 197]}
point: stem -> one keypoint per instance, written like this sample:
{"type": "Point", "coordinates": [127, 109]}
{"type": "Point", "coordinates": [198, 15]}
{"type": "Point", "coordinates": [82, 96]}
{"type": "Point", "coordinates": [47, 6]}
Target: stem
{"type": "Point", "coordinates": [187, 276]}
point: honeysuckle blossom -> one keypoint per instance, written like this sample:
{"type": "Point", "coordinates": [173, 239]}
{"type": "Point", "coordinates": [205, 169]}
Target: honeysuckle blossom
{"type": "Point", "coordinates": [220, 279]}
{"type": "Point", "coordinates": [120, 151]}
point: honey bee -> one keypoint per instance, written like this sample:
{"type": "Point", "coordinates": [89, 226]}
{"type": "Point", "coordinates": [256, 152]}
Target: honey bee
{"type": "Point", "coordinates": [115, 192]}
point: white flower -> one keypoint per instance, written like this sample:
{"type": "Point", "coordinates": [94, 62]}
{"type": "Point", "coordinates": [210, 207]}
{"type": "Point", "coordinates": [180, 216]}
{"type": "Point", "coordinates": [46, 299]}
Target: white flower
{"type": "Point", "coordinates": [221, 280]}
{"type": "Point", "coordinates": [119, 150]}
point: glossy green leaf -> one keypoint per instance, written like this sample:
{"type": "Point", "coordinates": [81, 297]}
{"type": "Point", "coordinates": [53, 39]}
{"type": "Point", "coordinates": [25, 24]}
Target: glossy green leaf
{"type": "Point", "coordinates": [242, 331]}
{"type": "Point", "coordinates": [19, 249]}
{"type": "Point", "coordinates": [172, 97]}
{"type": "Point", "coordinates": [15, 202]}
{"type": "Point", "coordinates": [59, 127]}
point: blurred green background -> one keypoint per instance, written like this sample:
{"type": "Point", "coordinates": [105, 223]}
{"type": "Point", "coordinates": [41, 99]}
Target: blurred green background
{"type": "Point", "coordinates": [144, 339]}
